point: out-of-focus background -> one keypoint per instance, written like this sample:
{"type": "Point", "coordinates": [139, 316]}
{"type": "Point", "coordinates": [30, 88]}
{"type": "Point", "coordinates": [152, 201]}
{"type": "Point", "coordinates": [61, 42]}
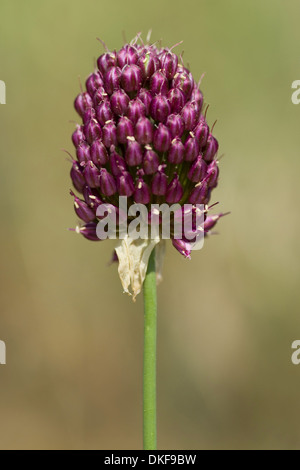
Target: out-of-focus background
{"type": "Point", "coordinates": [227, 319]}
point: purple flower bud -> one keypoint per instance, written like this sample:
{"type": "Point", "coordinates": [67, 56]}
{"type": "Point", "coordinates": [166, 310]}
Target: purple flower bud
{"type": "Point", "coordinates": [104, 112]}
{"type": "Point", "coordinates": [88, 115]}
{"type": "Point", "coordinates": [149, 64]}
{"type": "Point", "coordinates": [117, 163]}
{"type": "Point", "coordinates": [191, 147]}
{"type": "Point", "coordinates": [98, 153]}
{"type": "Point", "coordinates": [198, 170]}
{"type": "Point", "coordinates": [134, 153]}
{"type": "Point", "coordinates": [211, 221]}
{"type": "Point", "coordinates": [190, 116]}
{"type": "Point", "coordinates": [127, 56]}
{"type": "Point", "coordinates": [83, 211]}
{"type": "Point", "coordinates": [183, 247]}
{"type": "Point", "coordinates": [199, 193]}
{"type": "Point", "coordinates": [99, 96]}
{"type": "Point", "coordinates": [91, 174]}
{"type": "Point", "coordinates": [83, 152]}
{"type": "Point", "coordinates": [176, 99]}
{"type": "Point", "coordinates": [169, 63]}
{"type": "Point", "coordinates": [89, 231]}
{"type": "Point", "coordinates": [212, 174]}
{"type": "Point", "coordinates": [142, 192]}
{"type": "Point", "coordinates": [119, 102]}
{"type": "Point", "coordinates": [136, 109]}
{"type": "Point", "coordinates": [175, 125]}
{"type": "Point", "coordinates": [92, 131]}
{"type": "Point", "coordinates": [124, 130]}
{"type": "Point", "coordinates": [159, 183]}
{"type": "Point", "coordinates": [109, 134]}
{"type": "Point", "coordinates": [184, 82]}
{"type": "Point", "coordinates": [107, 183]}
{"type": "Point", "coordinates": [146, 98]}
{"type": "Point", "coordinates": [162, 138]}
{"type": "Point", "coordinates": [77, 176]}
{"type": "Point", "coordinates": [91, 197]}
{"type": "Point", "coordinates": [150, 161]}
{"type": "Point", "coordinates": [93, 82]}
{"type": "Point", "coordinates": [106, 61]}
{"type": "Point", "coordinates": [174, 191]}
{"type": "Point", "coordinates": [176, 152]}
{"type": "Point", "coordinates": [198, 98]}
{"type": "Point", "coordinates": [78, 136]}
{"type": "Point", "coordinates": [144, 131]}
{"type": "Point", "coordinates": [201, 132]}
{"type": "Point", "coordinates": [112, 79]}
{"type": "Point", "coordinates": [82, 103]}
{"type": "Point", "coordinates": [159, 84]}
{"type": "Point", "coordinates": [125, 184]}
{"type": "Point", "coordinates": [211, 148]}
{"type": "Point", "coordinates": [131, 79]}
{"type": "Point", "coordinates": [160, 108]}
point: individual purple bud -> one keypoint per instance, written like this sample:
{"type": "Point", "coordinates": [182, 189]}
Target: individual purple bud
{"type": "Point", "coordinates": [176, 151]}
{"type": "Point", "coordinates": [131, 78]}
{"type": "Point", "coordinates": [183, 247]}
{"type": "Point", "coordinates": [142, 192]}
{"type": "Point", "coordinates": [136, 109]}
{"type": "Point", "coordinates": [150, 161]}
{"type": "Point", "coordinates": [92, 131]}
{"type": "Point", "coordinates": [117, 163]}
{"type": "Point", "coordinates": [89, 231]}
{"type": "Point", "coordinates": [83, 152]}
{"type": "Point", "coordinates": [211, 221]}
{"type": "Point", "coordinates": [149, 64]}
{"type": "Point", "coordinates": [190, 116]}
{"type": "Point", "coordinates": [78, 136]}
{"type": "Point", "coordinates": [91, 197]}
{"type": "Point", "coordinates": [82, 103]}
{"type": "Point", "coordinates": [211, 148]}
{"type": "Point", "coordinates": [176, 99]}
{"type": "Point", "coordinates": [169, 63]}
{"type": "Point", "coordinates": [160, 108]}
{"type": "Point", "coordinates": [144, 131]}
{"type": "Point", "coordinates": [125, 184]}
{"type": "Point", "coordinates": [146, 98]}
{"type": "Point", "coordinates": [184, 82]}
{"type": "Point", "coordinates": [191, 147]}
{"type": "Point", "coordinates": [104, 112]}
{"type": "Point", "coordinates": [134, 152]}
{"type": "Point", "coordinates": [174, 191]}
{"type": "Point", "coordinates": [198, 170]}
{"type": "Point", "coordinates": [112, 79]}
{"type": "Point", "coordinates": [175, 125]}
{"type": "Point", "coordinates": [212, 174]}
{"type": "Point", "coordinates": [89, 114]}
{"type": "Point", "coordinates": [198, 98]}
{"type": "Point", "coordinates": [83, 211]}
{"type": "Point", "coordinates": [199, 193]}
{"type": "Point", "coordinates": [99, 96]}
{"type": "Point", "coordinates": [109, 133]}
{"type": "Point", "coordinates": [119, 102]}
{"type": "Point", "coordinates": [162, 138]}
{"type": "Point", "coordinates": [91, 174]}
{"type": "Point", "coordinates": [201, 133]}
{"type": "Point", "coordinates": [77, 176]}
{"type": "Point", "coordinates": [159, 182]}
{"type": "Point", "coordinates": [159, 83]}
{"type": "Point", "coordinates": [98, 153]}
{"type": "Point", "coordinates": [105, 61]}
{"type": "Point", "coordinates": [124, 130]}
{"type": "Point", "coordinates": [107, 183]}
{"type": "Point", "coordinates": [127, 56]}
{"type": "Point", "coordinates": [93, 82]}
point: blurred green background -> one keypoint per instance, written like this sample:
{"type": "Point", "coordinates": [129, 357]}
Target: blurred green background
{"type": "Point", "coordinates": [73, 378]}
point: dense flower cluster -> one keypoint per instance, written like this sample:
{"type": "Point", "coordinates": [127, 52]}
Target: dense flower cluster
{"type": "Point", "coordinates": [143, 135]}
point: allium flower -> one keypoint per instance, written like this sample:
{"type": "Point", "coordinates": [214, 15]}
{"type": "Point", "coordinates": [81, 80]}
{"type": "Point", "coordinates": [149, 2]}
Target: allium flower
{"type": "Point", "coordinates": [143, 135]}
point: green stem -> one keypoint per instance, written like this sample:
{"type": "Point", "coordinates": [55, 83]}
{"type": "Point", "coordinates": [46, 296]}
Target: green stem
{"type": "Point", "coordinates": [150, 327]}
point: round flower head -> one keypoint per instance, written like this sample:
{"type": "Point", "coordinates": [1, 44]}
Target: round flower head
{"type": "Point", "coordinates": [143, 135]}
